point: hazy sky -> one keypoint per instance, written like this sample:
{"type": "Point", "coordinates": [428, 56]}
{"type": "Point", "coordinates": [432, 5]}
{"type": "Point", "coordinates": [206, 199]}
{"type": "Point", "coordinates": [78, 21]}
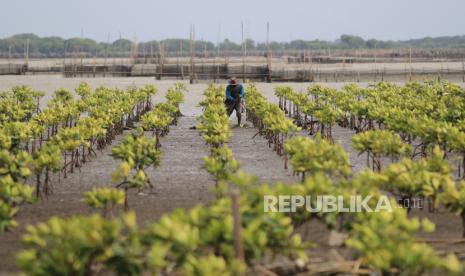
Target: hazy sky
{"type": "Point", "coordinates": [290, 19]}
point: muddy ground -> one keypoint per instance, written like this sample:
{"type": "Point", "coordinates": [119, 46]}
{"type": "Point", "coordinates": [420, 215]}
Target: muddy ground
{"type": "Point", "coordinates": [179, 182]}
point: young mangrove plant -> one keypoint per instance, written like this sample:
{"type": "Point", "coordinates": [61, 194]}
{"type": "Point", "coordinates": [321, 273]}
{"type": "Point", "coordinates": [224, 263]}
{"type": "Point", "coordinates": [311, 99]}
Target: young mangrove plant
{"type": "Point", "coordinates": [378, 144]}
{"type": "Point", "coordinates": [309, 156]}
{"type": "Point", "coordinates": [137, 153]}
{"type": "Point", "coordinates": [221, 163]}
{"type": "Point", "coordinates": [105, 199]}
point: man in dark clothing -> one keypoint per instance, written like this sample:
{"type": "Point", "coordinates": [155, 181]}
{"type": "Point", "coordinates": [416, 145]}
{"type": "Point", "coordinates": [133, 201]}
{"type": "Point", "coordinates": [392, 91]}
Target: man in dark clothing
{"type": "Point", "coordinates": [234, 96]}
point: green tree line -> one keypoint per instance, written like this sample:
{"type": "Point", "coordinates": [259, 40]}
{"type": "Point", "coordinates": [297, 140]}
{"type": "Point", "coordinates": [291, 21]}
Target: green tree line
{"type": "Point", "coordinates": [57, 46]}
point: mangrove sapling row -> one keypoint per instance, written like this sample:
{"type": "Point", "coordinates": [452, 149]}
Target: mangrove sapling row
{"type": "Point", "coordinates": [214, 125]}
{"type": "Point", "coordinates": [246, 227]}
{"type": "Point", "coordinates": [181, 242]}
{"type": "Point", "coordinates": [401, 120]}
{"type": "Point", "coordinates": [15, 163]}
{"type": "Point", "coordinates": [40, 142]}
{"type": "Point", "coordinates": [221, 163]}
{"type": "Point", "coordinates": [110, 112]}
{"type": "Point", "coordinates": [200, 241]}
{"type": "Point", "coordinates": [270, 120]}
{"type": "Point", "coordinates": [174, 97]}
{"type": "Point", "coordinates": [106, 110]}
{"type": "Point", "coordinates": [137, 153]}
{"type": "Point", "coordinates": [378, 144]}
{"type": "Point", "coordinates": [47, 159]}
{"type": "Point", "coordinates": [386, 242]}
{"type": "Point", "coordinates": [435, 175]}
{"type": "Point", "coordinates": [392, 120]}
{"type": "Point", "coordinates": [163, 115]}
{"type": "Point", "coordinates": [14, 172]}
{"type": "Point", "coordinates": [19, 104]}
{"type": "Point", "coordinates": [14, 191]}
{"type": "Point", "coordinates": [312, 110]}
{"type": "Point", "coordinates": [306, 155]}
{"type": "Point", "coordinates": [425, 177]}
{"type": "Point", "coordinates": [216, 131]}
{"type": "Point", "coordinates": [310, 156]}
{"type": "Point", "coordinates": [390, 232]}
{"type": "Point", "coordinates": [423, 115]}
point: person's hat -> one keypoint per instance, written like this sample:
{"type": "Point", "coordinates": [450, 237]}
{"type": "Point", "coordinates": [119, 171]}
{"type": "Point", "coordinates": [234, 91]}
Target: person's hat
{"type": "Point", "coordinates": [233, 81]}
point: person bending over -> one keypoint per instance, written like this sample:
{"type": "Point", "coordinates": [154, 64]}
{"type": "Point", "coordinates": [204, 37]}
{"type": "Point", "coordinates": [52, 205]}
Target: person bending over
{"type": "Point", "coordinates": [234, 96]}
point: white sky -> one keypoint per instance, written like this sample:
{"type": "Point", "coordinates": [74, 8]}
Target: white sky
{"type": "Point", "coordinates": [290, 19]}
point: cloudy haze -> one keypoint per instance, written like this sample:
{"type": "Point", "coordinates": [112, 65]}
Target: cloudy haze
{"type": "Point", "coordinates": [291, 19]}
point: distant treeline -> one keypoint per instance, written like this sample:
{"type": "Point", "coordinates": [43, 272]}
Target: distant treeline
{"type": "Point", "coordinates": [57, 46]}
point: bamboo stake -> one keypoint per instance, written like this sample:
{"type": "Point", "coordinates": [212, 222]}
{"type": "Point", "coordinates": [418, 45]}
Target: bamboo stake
{"type": "Point", "coordinates": [268, 48]}
{"type": "Point", "coordinates": [463, 69]}
{"type": "Point", "coordinates": [106, 56]}
{"type": "Point", "coordinates": [64, 58]}
{"type": "Point", "coordinates": [237, 227]}
{"type": "Point", "coordinates": [82, 62]}
{"type": "Point", "coordinates": [243, 51]}
{"type": "Point", "coordinates": [191, 71]}
{"type": "Point", "coordinates": [26, 54]}
{"type": "Point", "coordinates": [94, 64]}
{"type": "Point", "coordinates": [161, 61]}
{"type": "Point", "coordinates": [74, 62]}
{"type": "Point", "coordinates": [134, 51]}
{"type": "Point", "coordinates": [410, 64]}
{"type": "Point", "coordinates": [182, 63]}
{"type": "Point", "coordinates": [218, 54]}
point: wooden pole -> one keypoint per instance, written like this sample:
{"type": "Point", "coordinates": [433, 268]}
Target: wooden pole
{"type": "Point", "coordinates": [203, 57]}
{"type": "Point", "coordinates": [410, 64]}
{"type": "Point", "coordinates": [106, 56]}
{"type": "Point", "coordinates": [310, 60]}
{"type": "Point", "coordinates": [182, 63]}
{"type": "Point", "coordinates": [463, 69]}
{"type": "Point", "coordinates": [74, 62]}
{"type": "Point", "coordinates": [81, 55]}
{"type": "Point", "coordinates": [178, 64]}
{"type": "Point", "coordinates": [144, 54]}
{"type": "Point", "coordinates": [243, 51]}
{"type": "Point", "coordinates": [26, 52]}
{"type": "Point", "coordinates": [94, 67]}
{"type": "Point", "coordinates": [358, 67]}
{"type": "Point", "coordinates": [376, 67]}
{"type": "Point", "coordinates": [191, 53]}
{"type": "Point", "coordinates": [205, 49]}
{"type": "Point", "coordinates": [237, 227]}
{"type": "Point", "coordinates": [216, 62]}
{"type": "Point", "coordinates": [64, 58]}
{"type": "Point", "coordinates": [9, 53]}
{"type": "Point", "coordinates": [134, 51]}
{"type": "Point", "coordinates": [161, 59]}
{"type": "Point", "coordinates": [268, 54]}
{"type": "Point", "coordinates": [151, 52]}
{"type": "Point", "coordinates": [226, 59]}
{"type": "Point", "coordinates": [144, 60]}
{"type": "Point", "coordinates": [9, 58]}
{"type": "Point", "coordinates": [218, 54]}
